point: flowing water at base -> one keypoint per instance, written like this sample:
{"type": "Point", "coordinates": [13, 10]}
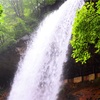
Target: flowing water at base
{"type": "Point", "coordinates": [39, 73]}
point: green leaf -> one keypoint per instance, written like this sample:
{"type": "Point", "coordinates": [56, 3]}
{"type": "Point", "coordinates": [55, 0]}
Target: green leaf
{"type": "Point", "coordinates": [86, 32]}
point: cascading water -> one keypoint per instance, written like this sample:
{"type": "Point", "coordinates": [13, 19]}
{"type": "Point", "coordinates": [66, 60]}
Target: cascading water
{"type": "Point", "coordinates": [39, 73]}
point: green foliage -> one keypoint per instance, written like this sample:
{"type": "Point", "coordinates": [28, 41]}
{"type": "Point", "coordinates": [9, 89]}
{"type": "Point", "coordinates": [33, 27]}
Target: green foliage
{"type": "Point", "coordinates": [86, 32]}
{"type": "Point", "coordinates": [20, 28]}
{"type": "Point", "coordinates": [50, 2]}
{"type": "Point", "coordinates": [1, 10]}
{"type": "Point", "coordinates": [18, 18]}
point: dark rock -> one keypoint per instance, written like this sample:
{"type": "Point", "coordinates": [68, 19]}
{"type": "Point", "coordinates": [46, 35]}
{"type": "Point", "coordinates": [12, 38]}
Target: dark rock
{"type": "Point", "coordinates": [80, 91]}
{"type": "Point", "coordinates": [8, 63]}
{"type": "Point", "coordinates": [9, 60]}
{"type": "Point", "coordinates": [90, 0]}
{"type": "Point", "coordinates": [48, 8]}
{"type": "Point", "coordinates": [73, 69]}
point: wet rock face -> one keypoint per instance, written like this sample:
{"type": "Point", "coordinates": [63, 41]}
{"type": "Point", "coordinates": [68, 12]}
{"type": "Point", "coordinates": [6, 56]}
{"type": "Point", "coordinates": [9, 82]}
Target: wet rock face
{"type": "Point", "coordinates": [90, 0]}
{"type": "Point", "coordinates": [87, 0]}
{"type": "Point", "coordinates": [9, 60]}
{"type": "Point", "coordinates": [8, 63]}
{"type": "Point", "coordinates": [89, 90]}
{"type": "Point", "coordinates": [73, 69]}
{"type": "Point", "coordinates": [47, 8]}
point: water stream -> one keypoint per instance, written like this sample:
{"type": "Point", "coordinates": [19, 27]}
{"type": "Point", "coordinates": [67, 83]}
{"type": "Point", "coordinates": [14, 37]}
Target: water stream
{"type": "Point", "coordinates": [39, 73]}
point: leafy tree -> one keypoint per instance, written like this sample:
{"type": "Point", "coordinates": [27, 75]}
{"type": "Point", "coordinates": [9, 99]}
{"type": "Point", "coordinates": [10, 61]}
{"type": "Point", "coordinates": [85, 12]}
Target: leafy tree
{"type": "Point", "coordinates": [20, 17]}
{"type": "Point", "coordinates": [21, 27]}
{"type": "Point", "coordinates": [1, 10]}
{"type": "Point", "coordinates": [17, 6]}
{"type": "Point", "coordinates": [86, 32]}
{"type": "Point", "coordinates": [1, 27]}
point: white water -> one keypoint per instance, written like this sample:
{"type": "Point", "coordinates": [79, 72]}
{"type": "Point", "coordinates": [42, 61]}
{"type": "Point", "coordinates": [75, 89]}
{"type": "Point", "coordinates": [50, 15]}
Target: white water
{"type": "Point", "coordinates": [39, 73]}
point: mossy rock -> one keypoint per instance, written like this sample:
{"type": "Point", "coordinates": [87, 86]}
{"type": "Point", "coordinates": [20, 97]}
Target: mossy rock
{"type": "Point", "coordinates": [50, 2]}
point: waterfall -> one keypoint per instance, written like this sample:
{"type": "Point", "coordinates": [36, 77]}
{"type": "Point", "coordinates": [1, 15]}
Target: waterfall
{"type": "Point", "coordinates": [39, 72]}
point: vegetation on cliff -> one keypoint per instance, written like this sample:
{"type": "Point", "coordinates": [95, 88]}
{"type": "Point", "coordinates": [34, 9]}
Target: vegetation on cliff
{"type": "Point", "coordinates": [20, 17]}
{"type": "Point", "coordinates": [1, 10]}
{"type": "Point", "coordinates": [86, 32]}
